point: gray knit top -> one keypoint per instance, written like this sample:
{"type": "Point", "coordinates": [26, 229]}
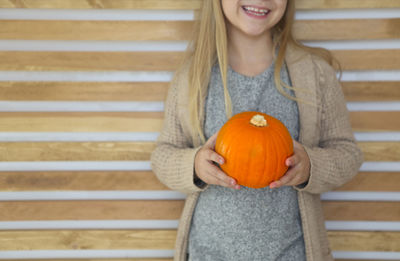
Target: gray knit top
{"type": "Point", "coordinates": [247, 224]}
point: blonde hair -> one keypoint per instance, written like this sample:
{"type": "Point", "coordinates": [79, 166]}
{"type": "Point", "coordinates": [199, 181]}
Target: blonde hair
{"type": "Point", "coordinates": [209, 43]}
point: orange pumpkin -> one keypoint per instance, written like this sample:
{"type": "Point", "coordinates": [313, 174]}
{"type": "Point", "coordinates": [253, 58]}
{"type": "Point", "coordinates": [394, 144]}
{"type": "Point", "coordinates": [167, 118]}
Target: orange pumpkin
{"type": "Point", "coordinates": [255, 146]}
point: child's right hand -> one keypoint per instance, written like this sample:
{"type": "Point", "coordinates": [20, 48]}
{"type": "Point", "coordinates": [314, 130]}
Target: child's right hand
{"type": "Point", "coordinates": [205, 168]}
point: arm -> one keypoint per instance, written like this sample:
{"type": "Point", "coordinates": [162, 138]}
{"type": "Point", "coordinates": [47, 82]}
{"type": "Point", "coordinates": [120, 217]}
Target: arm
{"type": "Point", "coordinates": [173, 158]}
{"type": "Point", "coordinates": [337, 158]}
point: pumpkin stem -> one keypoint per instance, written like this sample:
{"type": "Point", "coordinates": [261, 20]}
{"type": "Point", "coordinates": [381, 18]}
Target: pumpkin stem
{"type": "Point", "coordinates": [258, 120]}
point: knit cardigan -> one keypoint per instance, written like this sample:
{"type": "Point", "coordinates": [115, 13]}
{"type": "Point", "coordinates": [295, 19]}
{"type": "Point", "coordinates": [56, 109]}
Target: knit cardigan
{"type": "Point", "coordinates": [325, 133]}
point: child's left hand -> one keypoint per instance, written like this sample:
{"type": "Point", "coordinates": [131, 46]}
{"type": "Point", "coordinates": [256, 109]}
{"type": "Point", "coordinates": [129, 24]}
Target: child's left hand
{"type": "Point", "coordinates": [299, 168]}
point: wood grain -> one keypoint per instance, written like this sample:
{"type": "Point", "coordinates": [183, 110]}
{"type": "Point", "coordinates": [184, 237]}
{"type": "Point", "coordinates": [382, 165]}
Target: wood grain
{"type": "Point", "coordinates": [79, 180]}
{"type": "Point", "coordinates": [146, 180]}
{"type": "Point", "coordinates": [310, 30]}
{"type": "Point", "coordinates": [184, 4]}
{"type": "Point", "coordinates": [75, 151]}
{"type": "Point", "coordinates": [83, 91]}
{"type": "Point", "coordinates": [165, 239]}
{"type": "Point", "coordinates": [170, 210]}
{"type": "Point", "coordinates": [373, 181]}
{"type": "Point", "coordinates": [156, 91]}
{"type": "Point", "coordinates": [371, 91]}
{"type": "Point", "coordinates": [363, 121]}
{"type": "Point", "coordinates": [136, 150]}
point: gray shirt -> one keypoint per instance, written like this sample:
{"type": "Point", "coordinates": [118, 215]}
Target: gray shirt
{"type": "Point", "coordinates": [247, 224]}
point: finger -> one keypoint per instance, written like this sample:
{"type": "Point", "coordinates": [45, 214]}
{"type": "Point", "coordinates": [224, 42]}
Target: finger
{"type": "Point", "coordinates": [225, 179]}
{"type": "Point", "coordinates": [211, 141]}
{"type": "Point", "coordinates": [285, 179]}
{"type": "Point", "coordinates": [292, 160]}
{"type": "Point", "coordinates": [213, 156]}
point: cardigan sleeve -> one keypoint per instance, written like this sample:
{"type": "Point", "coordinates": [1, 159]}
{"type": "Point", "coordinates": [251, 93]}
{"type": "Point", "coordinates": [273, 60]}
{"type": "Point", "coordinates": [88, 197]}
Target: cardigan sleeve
{"type": "Point", "coordinates": [172, 160]}
{"type": "Point", "coordinates": [337, 158]}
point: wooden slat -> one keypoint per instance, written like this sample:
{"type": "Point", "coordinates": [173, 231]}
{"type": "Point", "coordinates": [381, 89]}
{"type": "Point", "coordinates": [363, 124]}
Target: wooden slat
{"type": "Point", "coordinates": [164, 61]}
{"type": "Point", "coordinates": [83, 91]}
{"type": "Point", "coordinates": [170, 209]}
{"type": "Point", "coordinates": [87, 239]}
{"type": "Point", "coordinates": [156, 91]}
{"type": "Point", "coordinates": [183, 4]}
{"type": "Point", "coordinates": [371, 91]}
{"type": "Point", "coordinates": [375, 120]}
{"type": "Point", "coordinates": [380, 151]}
{"type": "Point", "coordinates": [335, 29]}
{"type": "Point", "coordinates": [88, 61]}
{"type": "Point", "coordinates": [91, 210]}
{"type": "Point", "coordinates": [148, 121]}
{"type": "Point", "coordinates": [364, 241]}
{"type": "Point", "coordinates": [81, 121]}
{"type": "Point", "coordinates": [79, 180]}
{"type": "Point", "coordinates": [146, 180]}
{"type": "Point", "coordinates": [102, 4]}
{"type": "Point", "coordinates": [104, 151]}
{"type": "Point", "coordinates": [361, 210]}
{"type": "Point", "coordinates": [373, 181]}
{"type": "Point", "coordinates": [75, 151]}
{"type": "Point", "coordinates": [165, 239]}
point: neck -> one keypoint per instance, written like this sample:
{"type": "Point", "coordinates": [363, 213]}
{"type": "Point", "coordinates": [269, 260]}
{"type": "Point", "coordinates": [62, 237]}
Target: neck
{"type": "Point", "coordinates": [245, 51]}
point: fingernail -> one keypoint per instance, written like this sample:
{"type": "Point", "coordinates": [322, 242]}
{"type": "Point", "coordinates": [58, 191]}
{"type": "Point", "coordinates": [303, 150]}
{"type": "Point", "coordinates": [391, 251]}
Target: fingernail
{"type": "Point", "coordinates": [221, 161]}
{"type": "Point", "coordinates": [233, 182]}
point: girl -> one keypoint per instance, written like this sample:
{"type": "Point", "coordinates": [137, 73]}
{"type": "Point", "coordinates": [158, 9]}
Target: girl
{"type": "Point", "coordinates": [243, 57]}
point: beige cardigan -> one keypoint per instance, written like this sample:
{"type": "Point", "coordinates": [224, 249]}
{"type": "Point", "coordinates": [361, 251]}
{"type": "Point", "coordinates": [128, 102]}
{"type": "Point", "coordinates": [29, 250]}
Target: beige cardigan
{"type": "Point", "coordinates": [325, 133]}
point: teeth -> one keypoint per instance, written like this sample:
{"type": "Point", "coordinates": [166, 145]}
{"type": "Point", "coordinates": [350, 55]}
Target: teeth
{"type": "Point", "coordinates": [254, 9]}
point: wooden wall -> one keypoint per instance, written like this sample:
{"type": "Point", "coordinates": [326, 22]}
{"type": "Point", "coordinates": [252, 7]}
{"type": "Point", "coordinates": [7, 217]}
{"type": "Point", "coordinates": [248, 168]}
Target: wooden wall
{"type": "Point", "coordinates": [82, 85]}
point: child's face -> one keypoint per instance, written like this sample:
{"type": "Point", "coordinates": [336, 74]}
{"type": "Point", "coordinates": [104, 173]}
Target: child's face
{"type": "Point", "coordinates": [253, 22]}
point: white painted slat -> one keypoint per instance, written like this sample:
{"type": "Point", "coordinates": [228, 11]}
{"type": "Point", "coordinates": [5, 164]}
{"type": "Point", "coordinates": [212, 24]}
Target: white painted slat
{"type": "Point", "coordinates": [171, 195]}
{"type": "Point", "coordinates": [92, 195]}
{"type": "Point", "coordinates": [79, 136]}
{"type": "Point", "coordinates": [131, 106]}
{"type": "Point", "coordinates": [106, 76]}
{"type": "Point", "coordinates": [89, 224]}
{"type": "Point", "coordinates": [132, 15]}
{"type": "Point", "coordinates": [370, 255]}
{"type": "Point", "coordinates": [170, 46]}
{"type": "Point", "coordinates": [160, 76]}
{"type": "Point", "coordinates": [144, 136]}
{"type": "Point", "coordinates": [80, 253]}
{"type": "Point", "coordinates": [73, 165]}
{"type": "Point", "coordinates": [137, 165]}
{"type": "Point", "coordinates": [173, 224]}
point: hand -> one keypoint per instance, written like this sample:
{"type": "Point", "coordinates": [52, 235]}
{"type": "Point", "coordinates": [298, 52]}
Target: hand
{"type": "Point", "coordinates": [299, 168]}
{"type": "Point", "coordinates": [207, 171]}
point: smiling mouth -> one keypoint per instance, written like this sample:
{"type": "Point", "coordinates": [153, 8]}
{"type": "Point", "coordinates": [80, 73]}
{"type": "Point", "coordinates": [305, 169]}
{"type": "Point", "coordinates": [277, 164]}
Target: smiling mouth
{"type": "Point", "coordinates": [255, 11]}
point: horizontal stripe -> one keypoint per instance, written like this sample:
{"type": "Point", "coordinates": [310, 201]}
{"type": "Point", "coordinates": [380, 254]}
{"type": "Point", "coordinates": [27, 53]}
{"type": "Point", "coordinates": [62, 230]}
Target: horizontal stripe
{"type": "Point", "coordinates": [92, 224]}
{"type": "Point", "coordinates": [144, 136]}
{"type": "Point", "coordinates": [136, 165]}
{"type": "Point", "coordinates": [173, 224]}
{"type": "Point", "coordinates": [361, 196]}
{"type": "Point", "coordinates": [160, 76]}
{"type": "Point", "coordinates": [101, 106]}
{"type": "Point", "coordinates": [171, 195]}
{"type": "Point", "coordinates": [373, 106]}
{"type": "Point", "coordinates": [126, 76]}
{"type": "Point", "coordinates": [363, 225]}
{"type": "Point", "coordinates": [146, 46]}
{"type": "Point", "coordinates": [81, 136]}
{"type": "Point", "coordinates": [80, 106]}
{"type": "Point", "coordinates": [135, 15]}
{"type": "Point", "coordinates": [79, 253]}
{"type": "Point", "coordinates": [366, 255]}
{"type": "Point", "coordinates": [74, 165]}
{"type": "Point", "coordinates": [380, 166]}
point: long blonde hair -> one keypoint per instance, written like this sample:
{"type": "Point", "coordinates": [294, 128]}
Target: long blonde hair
{"type": "Point", "coordinates": [209, 43]}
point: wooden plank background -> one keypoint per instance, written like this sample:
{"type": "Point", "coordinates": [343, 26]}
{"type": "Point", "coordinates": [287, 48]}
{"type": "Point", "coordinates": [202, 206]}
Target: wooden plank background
{"type": "Point", "coordinates": [32, 139]}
